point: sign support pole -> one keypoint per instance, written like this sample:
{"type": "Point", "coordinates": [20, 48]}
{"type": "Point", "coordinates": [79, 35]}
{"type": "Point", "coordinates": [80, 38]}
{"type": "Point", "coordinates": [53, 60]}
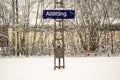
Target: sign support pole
{"type": "Point", "coordinates": [59, 15]}
{"type": "Point", "coordinates": [59, 38]}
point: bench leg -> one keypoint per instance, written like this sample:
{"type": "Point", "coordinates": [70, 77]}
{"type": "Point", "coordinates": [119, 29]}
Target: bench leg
{"type": "Point", "coordinates": [54, 63]}
{"type": "Point", "coordinates": [63, 63]}
{"type": "Point", "coordinates": [59, 63]}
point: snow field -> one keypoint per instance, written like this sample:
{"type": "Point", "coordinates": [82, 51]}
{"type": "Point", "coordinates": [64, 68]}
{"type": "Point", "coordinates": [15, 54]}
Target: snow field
{"type": "Point", "coordinates": [41, 68]}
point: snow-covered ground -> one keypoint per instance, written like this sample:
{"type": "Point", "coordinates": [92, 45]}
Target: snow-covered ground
{"type": "Point", "coordinates": [77, 68]}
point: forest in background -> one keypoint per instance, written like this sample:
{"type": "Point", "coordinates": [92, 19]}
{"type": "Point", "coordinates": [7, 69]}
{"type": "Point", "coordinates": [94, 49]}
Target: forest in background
{"type": "Point", "coordinates": [95, 31]}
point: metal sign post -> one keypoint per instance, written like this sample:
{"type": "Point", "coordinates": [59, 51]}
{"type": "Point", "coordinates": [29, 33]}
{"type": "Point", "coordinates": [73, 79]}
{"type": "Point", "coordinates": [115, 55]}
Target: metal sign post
{"type": "Point", "coordinates": [59, 16]}
{"type": "Point", "coordinates": [59, 37]}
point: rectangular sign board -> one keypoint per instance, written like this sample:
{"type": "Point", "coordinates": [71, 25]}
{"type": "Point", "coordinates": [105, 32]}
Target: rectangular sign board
{"type": "Point", "coordinates": [58, 14]}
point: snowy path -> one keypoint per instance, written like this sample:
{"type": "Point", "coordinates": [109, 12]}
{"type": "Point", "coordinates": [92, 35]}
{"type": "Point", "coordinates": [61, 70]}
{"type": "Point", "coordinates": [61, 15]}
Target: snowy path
{"type": "Point", "coordinates": [41, 68]}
